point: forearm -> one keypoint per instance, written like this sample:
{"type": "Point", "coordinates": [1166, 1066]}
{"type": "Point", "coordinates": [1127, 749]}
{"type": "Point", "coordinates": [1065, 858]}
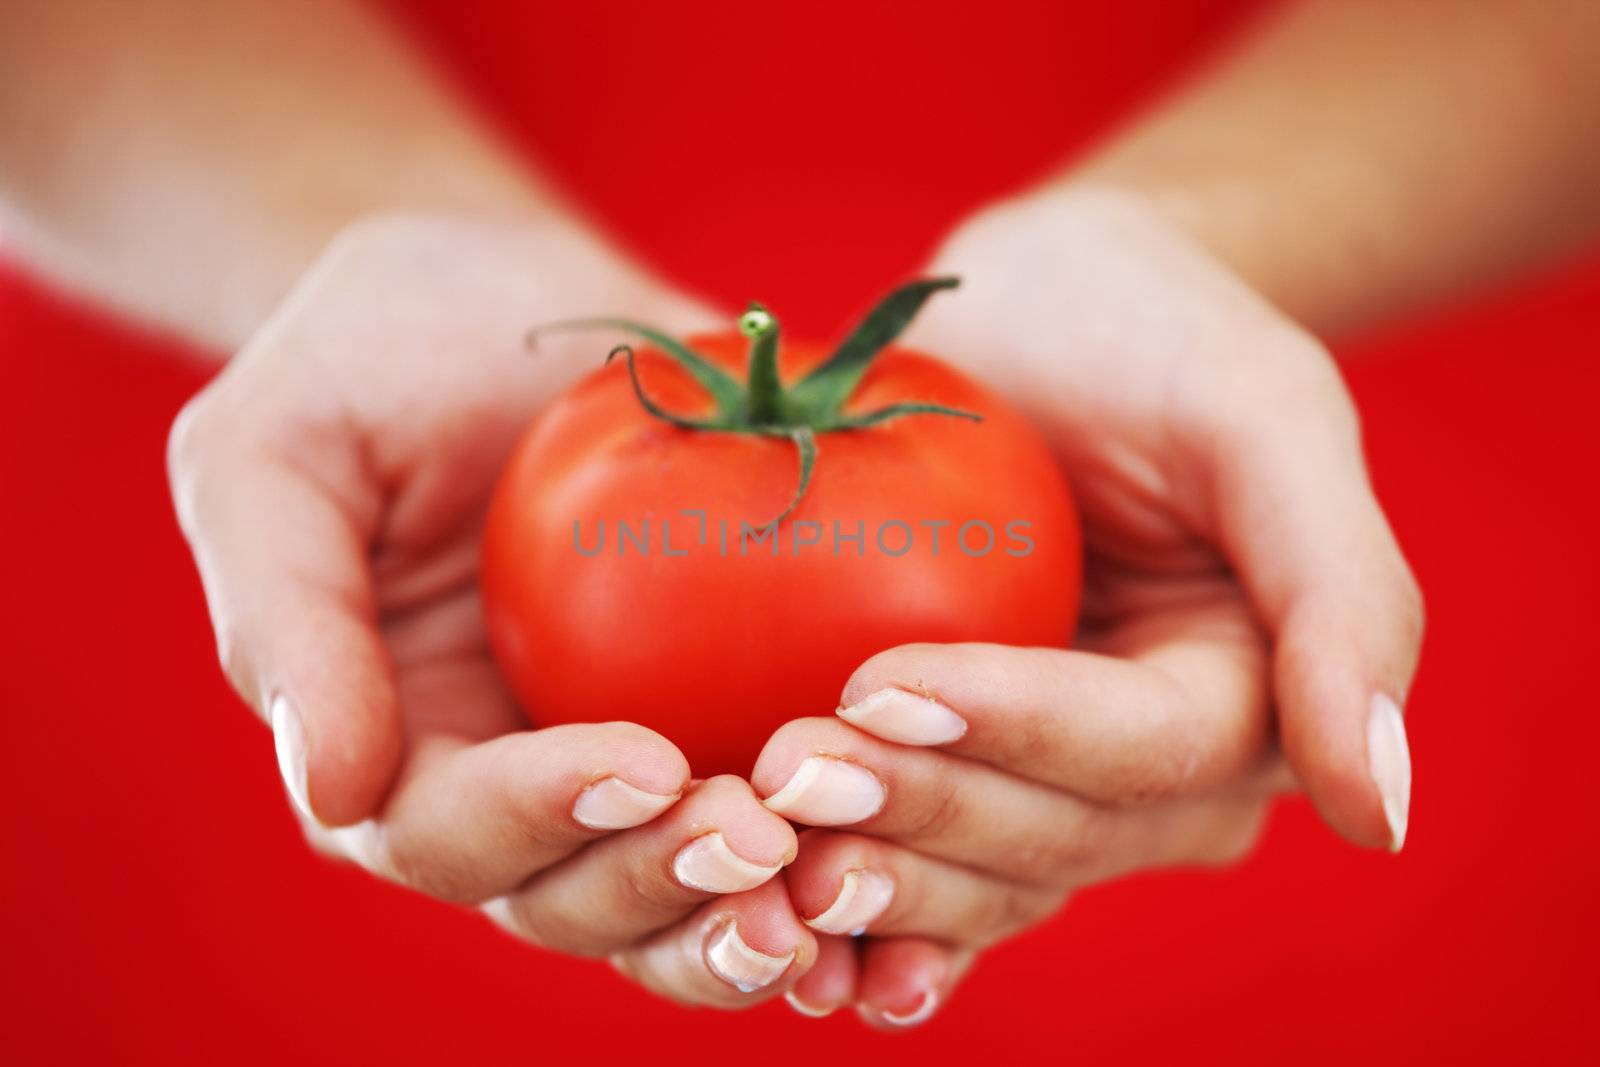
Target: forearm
{"type": "Point", "coordinates": [184, 161]}
{"type": "Point", "coordinates": [1355, 159]}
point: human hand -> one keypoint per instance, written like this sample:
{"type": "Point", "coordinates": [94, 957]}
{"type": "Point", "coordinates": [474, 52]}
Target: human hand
{"type": "Point", "coordinates": [332, 483]}
{"type": "Point", "coordinates": [1237, 563]}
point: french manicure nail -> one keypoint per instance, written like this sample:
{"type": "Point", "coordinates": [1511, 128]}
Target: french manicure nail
{"type": "Point", "coordinates": [1389, 761]}
{"type": "Point", "coordinates": [925, 1007]}
{"type": "Point", "coordinates": [741, 966]}
{"type": "Point", "coordinates": [708, 864]}
{"type": "Point", "coordinates": [289, 740]}
{"type": "Point", "coordinates": [863, 896]}
{"type": "Point", "coordinates": [829, 792]}
{"type": "Point", "coordinates": [612, 804]}
{"type": "Point", "coordinates": [806, 1009]}
{"type": "Point", "coordinates": [896, 715]}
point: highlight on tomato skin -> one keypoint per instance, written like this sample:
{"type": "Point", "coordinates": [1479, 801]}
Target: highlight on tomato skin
{"type": "Point", "coordinates": [684, 541]}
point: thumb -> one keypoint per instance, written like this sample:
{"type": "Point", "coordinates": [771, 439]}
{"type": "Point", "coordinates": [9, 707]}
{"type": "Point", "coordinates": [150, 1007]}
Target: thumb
{"type": "Point", "coordinates": [1301, 524]}
{"type": "Point", "coordinates": [283, 561]}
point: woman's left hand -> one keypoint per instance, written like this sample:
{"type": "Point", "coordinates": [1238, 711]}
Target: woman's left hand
{"type": "Point", "coordinates": [1243, 591]}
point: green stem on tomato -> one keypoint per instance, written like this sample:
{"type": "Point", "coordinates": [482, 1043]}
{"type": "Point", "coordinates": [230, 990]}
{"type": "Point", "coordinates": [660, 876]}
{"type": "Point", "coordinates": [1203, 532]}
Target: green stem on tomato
{"type": "Point", "coordinates": [761, 405]}
{"type": "Point", "coordinates": [763, 390]}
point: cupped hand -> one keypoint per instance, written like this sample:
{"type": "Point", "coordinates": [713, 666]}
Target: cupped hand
{"type": "Point", "coordinates": [332, 483]}
{"type": "Point", "coordinates": [1249, 625]}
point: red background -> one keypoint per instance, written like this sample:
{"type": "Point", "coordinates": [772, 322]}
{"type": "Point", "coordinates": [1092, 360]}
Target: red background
{"type": "Point", "coordinates": [159, 906]}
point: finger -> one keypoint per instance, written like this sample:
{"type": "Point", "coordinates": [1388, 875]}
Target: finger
{"type": "Point", "coordinates": [1181, 705]}
{"type": "Point", "coordinates": [824, 771]}
{"type": "Point", "coordinates": [846, 883]}
{"type": "Point", "coordinates": [905, 980]}
{"type": "Point", "coordinates": [850, 884]}
{"type": "Point", "coordinates": [278, 528]}
{"type": "Point", "coordinates": [830, 984]}
{"type": "Point", "coordinates": [717, 840]}
{"type": "Point", "coordinates": [473, 821]}
{"type": "Point", "coordinates": [734, 952]}
{"type": "Point", "coordinates": [1303, 528]}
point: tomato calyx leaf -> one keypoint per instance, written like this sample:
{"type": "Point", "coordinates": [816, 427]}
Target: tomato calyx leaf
{"type": "Point", "coordinates": [761, 404]}
{"type": "Point", "coordinates": [895, 411]}
{"type": "Point", "coordinates": [626, 351]}
{"type": "Point", "coordinates": [724, 388]}
{"type": "Point", "coordinates": [826, 389]}
{"type": "Point", "coordinates": [805, 446]}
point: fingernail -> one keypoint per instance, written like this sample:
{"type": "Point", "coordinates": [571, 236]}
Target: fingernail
{"type": "Point", "coordinates": [1389, 761]}
{"type": "Point", "coordinates": [896, 715]}
{"type": "Point", "coordinates": [829, 792]}
{"type": "Point", "coordinates": [925, 1008]}
{"type": "Point", "coordinates": [289, 739]}
{"type": "Point", "coordinates": [863, 896]}
{"type": "Point", "coordinates": [612, 804]}
{"type": "Point", "coordinates": [741, 966]}
{"type": "Point", "coordinates": [708, 864]}
{"type": "Point", "coordinates": [806, 1009]}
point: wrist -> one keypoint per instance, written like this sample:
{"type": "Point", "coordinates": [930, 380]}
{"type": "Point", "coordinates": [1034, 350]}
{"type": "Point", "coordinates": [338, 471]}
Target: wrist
{"type": "Point", "coordinates": [1310, 236]}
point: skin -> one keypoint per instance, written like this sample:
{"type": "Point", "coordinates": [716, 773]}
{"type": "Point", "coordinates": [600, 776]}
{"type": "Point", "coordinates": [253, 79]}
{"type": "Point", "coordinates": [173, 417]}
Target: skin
{"type": "Point", "coordinates": [1345, 163]}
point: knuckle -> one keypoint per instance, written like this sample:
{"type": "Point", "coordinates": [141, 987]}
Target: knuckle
{"type": "Point", "coordinates": [513, 915]}
{"type": "Point", "coordinates": [1331, 402]}
{"type": "Point", "coordinates": [1311, 374]}
{"type": "Point", "coordinates": [237, 666]}
{"type": "Point", "coordinates": [717, 789]}
{"type": "Point", "coordinates": [406, 867]}
{"type": "Point", "coordinates": [1065, 859]}
{"type": "Point", "coordinates": [543, 828]}
{"type": "Point", "coordinates": [1032, 737]}
{"type": "Point", "coordinates": [422, 871]}
{"type": "Point", "coordinates": [647, 893]}
{"type": "Point", "coordinates": [941, 809]}
{"type": "Point", "coordinates": [1304, 393]}
{"type": "Point", "coordinates": [536, 829]}
{"type": "Point", "coordinates": [192, 426]}
{"type": "Point", "coordinates": [559, 933]}
{"type": "Point", "coordinates": [181, 435]}
{"type": "Point", "coordinates": [1238, 837]}
{"type": "Point", "coordinates": [1179, 750]}
{"type": "Point", "coordinates": [1413, 609]}
{"type": "Point", "coordinates": [1008, 911]}
{"type": "Point", "coordinates": [438, 882]}
{"type": "Point", "coordinates": [1160, 778]}
{"type": "Point", "coordinates": [188, 442]}
{"type": "Point", "coordinates": [550, 923]}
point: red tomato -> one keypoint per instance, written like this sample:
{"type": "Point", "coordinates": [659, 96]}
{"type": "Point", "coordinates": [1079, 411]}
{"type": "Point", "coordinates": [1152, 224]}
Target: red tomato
{"type": "Point", "coordinates": [623, 578]}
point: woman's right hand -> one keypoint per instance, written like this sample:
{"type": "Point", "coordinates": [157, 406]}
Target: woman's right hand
{"type": "Point", "coordinates": [332, 482]}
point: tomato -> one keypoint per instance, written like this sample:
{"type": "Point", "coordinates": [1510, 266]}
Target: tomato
{"type": "Point", "coordinates": [631, 569]}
